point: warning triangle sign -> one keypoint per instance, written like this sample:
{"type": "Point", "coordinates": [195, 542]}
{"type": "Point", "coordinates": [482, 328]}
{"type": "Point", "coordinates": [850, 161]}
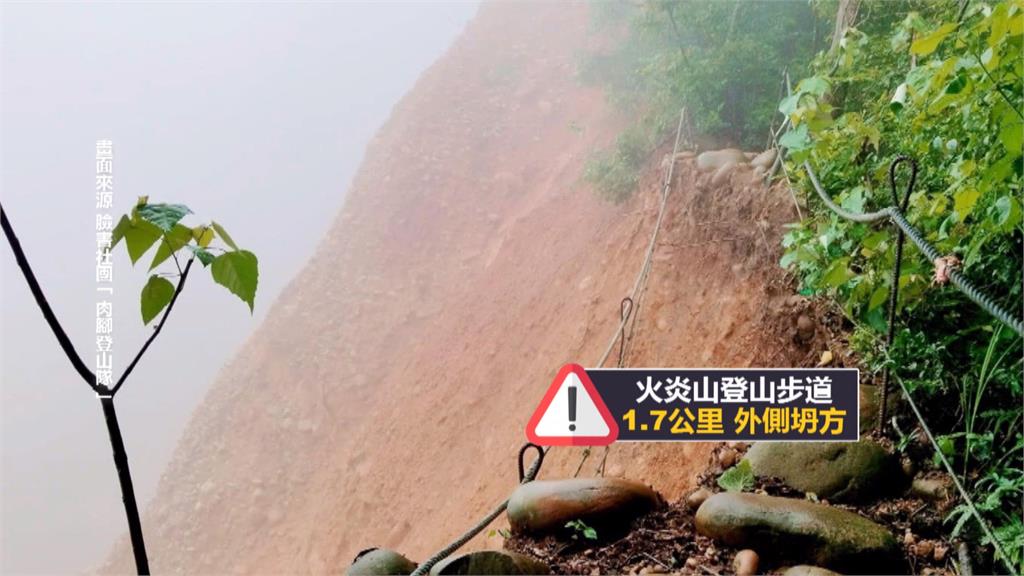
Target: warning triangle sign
{"type": "Point", "coordinates": [572, 413]}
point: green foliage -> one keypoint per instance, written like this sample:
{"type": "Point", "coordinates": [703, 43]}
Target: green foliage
{"type": "Point", "coordinates": [580, 528]}
{"type": "Point", "coordinates": [156, 295]}
{"type": "Point", "coordinates": [615, 172]}
{"type": "Point", "coordinates": [160, 224]}
{"type": "Point", "coordinates": [912, 79]}
{"type": "Point", "coordinates": [721, 59]}
{"type": "Point", "coordinates": [739, 478]}
{"type": "Point", "coordinates": [238, 272]}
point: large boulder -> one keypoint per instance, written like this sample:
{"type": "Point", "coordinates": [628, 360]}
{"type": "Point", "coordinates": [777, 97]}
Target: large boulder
{"type": "Point", "coordinates": [609, 505]}
{"type": "Point", "coordinates": [841, 471]}
{"type": "Point", "coordinates": [712, 160]}
{"type": "Point", "coordinates": [487, 562]}
{"type": "Point", "coordinates": [787, 529]}
{"type": "Point", "coordinates": [380, 562]}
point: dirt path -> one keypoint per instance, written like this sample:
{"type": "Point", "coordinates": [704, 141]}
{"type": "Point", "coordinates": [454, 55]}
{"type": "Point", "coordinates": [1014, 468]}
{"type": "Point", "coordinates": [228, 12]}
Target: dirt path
{"type": "Point", "coordinates": [383, 401]}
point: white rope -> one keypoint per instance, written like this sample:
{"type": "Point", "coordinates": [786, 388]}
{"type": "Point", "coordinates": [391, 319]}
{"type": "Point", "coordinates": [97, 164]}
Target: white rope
{"type": "Point", "coordinates": [641, 278]}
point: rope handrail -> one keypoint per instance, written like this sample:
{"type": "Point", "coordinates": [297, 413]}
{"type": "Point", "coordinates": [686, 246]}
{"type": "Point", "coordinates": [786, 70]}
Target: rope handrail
{"type": "Point", "coordinates": [897, 217]}
{"type": "Point", "coordinates": [895, 214]}
{"type": "Point", "coordinates": [646, 268]}
{"type": "Point", "coordinates": [638, 285]}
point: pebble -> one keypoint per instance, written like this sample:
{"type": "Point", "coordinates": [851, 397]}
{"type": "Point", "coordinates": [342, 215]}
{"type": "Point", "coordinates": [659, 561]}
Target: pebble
{"type": "Point", "coordinates": [745, 563]}
{"type": "Point", "coordinates": [924, 548]}
{"type": "Point", "coordinates": [805, 327]}
{"type": "Point", "coordinates": [697, 497]}
{"type": "Point", "coordinates": [727, 458]}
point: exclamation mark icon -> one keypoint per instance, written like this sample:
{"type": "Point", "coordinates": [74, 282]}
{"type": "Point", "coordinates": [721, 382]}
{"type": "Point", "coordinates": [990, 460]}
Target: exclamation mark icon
{"type": "Point", "coordinates": [572, 408]}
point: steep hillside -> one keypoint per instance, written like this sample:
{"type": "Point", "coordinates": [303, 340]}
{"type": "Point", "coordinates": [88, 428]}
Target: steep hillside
{"type": "Point", "coordinates": [384, 399]}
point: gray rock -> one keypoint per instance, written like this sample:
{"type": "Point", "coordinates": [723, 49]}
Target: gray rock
{"type": "Point", "coordinates": [841, 471]}
{"type": "Point", "coordinates": [869, 406]}
{"type": "Point", "coordinates": [805, 570]}
{"type": "Point", "coordinates": [930, 488]}
{"type": "Point", "coordinates": [380, 562]}
{"type": "Point", "coordinates": [488, 562]}
{"type": "Point", "coordinates": [799, 530]}
{"type": "Point", "coordinates": [714, 159]}
{"type": "Point", "coordinates": [607, 504]}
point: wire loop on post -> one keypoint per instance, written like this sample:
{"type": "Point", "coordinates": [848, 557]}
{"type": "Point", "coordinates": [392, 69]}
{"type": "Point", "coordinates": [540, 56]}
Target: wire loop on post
{"type": "Point", "coordinates": [537, 463]}
{"type": "Point", "coordinates": [899, 205]}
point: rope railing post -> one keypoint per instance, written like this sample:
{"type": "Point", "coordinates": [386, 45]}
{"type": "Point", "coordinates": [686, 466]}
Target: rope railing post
{"type": "Point", "coordinates": [894, 287]}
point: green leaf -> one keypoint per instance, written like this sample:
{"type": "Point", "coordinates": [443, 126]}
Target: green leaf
{"type": "Point", "coordinates": [789, 104]}
{"type": "Point", "coordinates": [172, 241]}
{"type": "Point", "coordinates": [796, 139]}
{"type": "Point", "coordinates": [203, 235]}
{"type": "Point", "coordinates": [925, 45]}
{"type": "Point", "coordinates": [1007, 213]}
{"type": "Point", "coordinates": [878, 297]}
{"type": "Point", "coordinates": [156, 295]}
{"type": "Point", "coordinates": [837, 274]}
{"type": "Point", "coordinates": [813, 85]}
{"type": "Point", "coordinates": [164, 216]}
{"type": "Point", "coordinates": [739, 478]}
{"type": "Point", "coordinates": [237, 271]}
{"type": "Point", "coordinates": [138, 236]}
{"type": "Point", "coordinates": [204, 256]}
{"type": "Point", "coordinates": [964, 201]}
{"type": "Point", "coordinates": [854, 199]}
{"type": "Point", "coordinates": [224, 235]}
{"type": "Point", "coordinates": [1011, 134]}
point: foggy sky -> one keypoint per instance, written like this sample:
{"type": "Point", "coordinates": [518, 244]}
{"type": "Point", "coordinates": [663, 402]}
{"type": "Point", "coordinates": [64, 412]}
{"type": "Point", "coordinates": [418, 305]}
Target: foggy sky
{"type": "Point", "coordinates": [255, 115]}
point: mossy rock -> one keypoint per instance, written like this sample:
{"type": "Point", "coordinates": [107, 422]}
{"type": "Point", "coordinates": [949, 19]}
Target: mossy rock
{"type": "Point", "coordinates": [609, 505]}
{"type": "Point", "coordinates": [840, 471]}
{"type": "Point", "coordinates": [488, 562]}
{"type": "Point", "coordinates": [787, 529]}
{"type": "Point", "coordinates": [380, 562]}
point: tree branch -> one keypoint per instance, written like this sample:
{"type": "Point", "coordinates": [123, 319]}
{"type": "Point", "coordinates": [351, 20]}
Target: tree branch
{"type": "Point", "coordinates": [156, 330]}
{"type": "Point", "coordinates": [44, 305]}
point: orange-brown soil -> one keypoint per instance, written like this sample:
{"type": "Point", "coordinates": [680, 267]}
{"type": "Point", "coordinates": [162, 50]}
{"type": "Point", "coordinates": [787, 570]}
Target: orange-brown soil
{"type": "Point", "coordinates": [383, 401]}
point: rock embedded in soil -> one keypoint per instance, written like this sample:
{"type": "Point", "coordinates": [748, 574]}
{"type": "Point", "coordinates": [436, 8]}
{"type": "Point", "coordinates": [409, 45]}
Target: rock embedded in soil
{"type": "Point", "coordinates": [930, 489]}
{"type": "Point", "coordinates": [786, 529]}
{"type": "Point", "coordinates": [697, 497]}
{"type": "Point", "coordinates": [869, 406]}
{"type": "Point", "coordinates": [805, 570]}
{"type": "Point", "coordinates": [805, 327]}
{"type": "Point", "coordinates": [840, 471]}
{"type": "Point", "coordinates": [712, 160]}
{"type": "Point", "coordinates": [722, 175]}
{"type": "Point", "coordinates": [609, 505]}
{"type": "Point", "coordinates": [765, 159]}
{"type": "Point", "coordinates": [380, 562]}
{"type": "Point", "coordinates": [487, 562]}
